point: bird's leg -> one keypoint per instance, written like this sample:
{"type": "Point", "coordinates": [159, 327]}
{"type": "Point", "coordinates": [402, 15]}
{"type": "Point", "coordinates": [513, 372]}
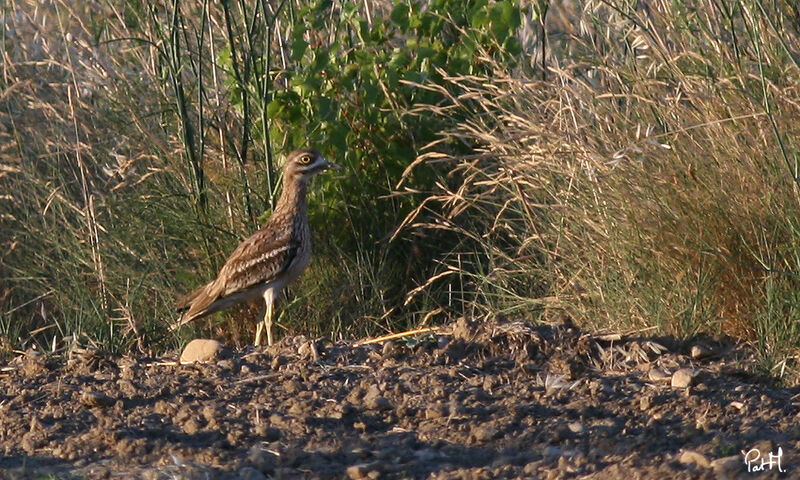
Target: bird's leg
{"type": "Point", "coordinates": [266, 322]}
{"type": "Point", "coordinates": [259, 329]}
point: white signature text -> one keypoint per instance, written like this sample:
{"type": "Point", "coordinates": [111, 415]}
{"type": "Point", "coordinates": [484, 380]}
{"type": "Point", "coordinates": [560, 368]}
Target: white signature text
{"type": "Point", "coordinates": [756, 463]}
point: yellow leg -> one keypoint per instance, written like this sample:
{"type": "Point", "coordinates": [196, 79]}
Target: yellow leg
{"type": "Point", "coordinates": [259, 329]}
{"type": "Point", "coordinates": [266, 323]}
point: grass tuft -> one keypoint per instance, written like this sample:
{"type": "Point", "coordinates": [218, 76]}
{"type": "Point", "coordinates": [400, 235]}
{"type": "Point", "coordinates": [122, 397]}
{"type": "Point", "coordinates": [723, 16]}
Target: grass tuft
{"type": "Point", "coordinates": [650, 180]}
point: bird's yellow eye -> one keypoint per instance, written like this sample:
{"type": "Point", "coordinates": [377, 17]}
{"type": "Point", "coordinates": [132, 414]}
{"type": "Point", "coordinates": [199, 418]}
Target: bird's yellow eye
{"type": "Point", "coordinates": [305, 159]}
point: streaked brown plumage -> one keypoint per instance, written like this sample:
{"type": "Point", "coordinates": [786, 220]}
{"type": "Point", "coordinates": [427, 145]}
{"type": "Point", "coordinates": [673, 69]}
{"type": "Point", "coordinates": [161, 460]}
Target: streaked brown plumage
{"type": "Point", "coordinates": [271, 258]}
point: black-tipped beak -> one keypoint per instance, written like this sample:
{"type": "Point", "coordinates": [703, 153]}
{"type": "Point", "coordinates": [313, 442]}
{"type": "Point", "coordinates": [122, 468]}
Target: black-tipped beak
{"type": "Point", "coordinates": [334, 166]}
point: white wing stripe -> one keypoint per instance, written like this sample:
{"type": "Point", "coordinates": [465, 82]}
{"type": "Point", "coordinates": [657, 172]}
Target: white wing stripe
{"type": "Point", "coordinates": [266, 256]}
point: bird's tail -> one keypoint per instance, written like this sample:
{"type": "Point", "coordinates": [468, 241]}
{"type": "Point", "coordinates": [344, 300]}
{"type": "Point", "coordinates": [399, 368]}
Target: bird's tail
{"type": "Point", "coordinates": [194, 304]}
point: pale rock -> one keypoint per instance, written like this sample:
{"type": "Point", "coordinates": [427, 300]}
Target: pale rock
{"type": "Point", "coordinates": [202, 350]}
{"type": "Point", "coordinates": [683, 378]}
{"type": "Point", "coordinates": [690, 457]}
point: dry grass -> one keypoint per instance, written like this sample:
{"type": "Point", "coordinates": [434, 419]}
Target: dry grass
{"type": "Point", "coordinates": [650, 179]}
{"type": "Point", "coordinates": [104, 178]}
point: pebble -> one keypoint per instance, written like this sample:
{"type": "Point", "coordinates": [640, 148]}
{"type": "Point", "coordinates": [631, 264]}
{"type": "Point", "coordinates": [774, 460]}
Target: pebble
{"type": "Point", "coordinates": [658, 375]}
{"type": "Point", "coordinates": [202, 350]}
{"type": "Point", "coordinates": [576, 427]}
{"type": "Point", "coordinates": [728, 467]}
{"type": "Point", "coordinates": [531, 468]}
{"type": "Point", "coordinates": [97, 399]}
{"type": "Point", "coordinates": [191, 427]}
{"type": "Point", "coordinates": [700, 351]}
{"type": "Point", "coordinates": [277, 362]}
{"type": "Point", "coordinates": [378, 403]}
{"type": "Point", "coordinates": [737, 405]}
{"type": "Point", "coordinates": [683, 378]}
{"type": "Point", "coordinates": [309, 351]}
{"type": "Point", "coordinates": [483, 433]}
{"type": "Point", "coordinates": [690, 457]}
{"type": "Point", "coordinates": [362, 471]}
{"type": "Point", "coordinates": [389, 349]}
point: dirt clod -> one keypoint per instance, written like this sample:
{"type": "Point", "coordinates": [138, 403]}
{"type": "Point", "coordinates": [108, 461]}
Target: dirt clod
{"type": "Point", "coordinates": [96, 399]}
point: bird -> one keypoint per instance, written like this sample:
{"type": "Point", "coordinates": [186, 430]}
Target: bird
{"type": "Point", "coordinates": [271, 258]}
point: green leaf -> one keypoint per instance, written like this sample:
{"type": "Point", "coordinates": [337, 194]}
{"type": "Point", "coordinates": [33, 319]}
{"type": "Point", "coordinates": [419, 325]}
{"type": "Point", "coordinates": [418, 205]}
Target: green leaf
{"type": "Point", "coordinates": [274, 109]}
{"type": "Point", "coordinates": [399, 59]}
{"type": "Point", "coordinates": [400, 16]}
{"type": "Point", "coordinates": [327, 109]}
{"type": "Point", "coordinates": [349, 10]}
{"type": "Point", "coordinates": [504, 16]}
{"type": "Point", "coordinates": [299, 46]}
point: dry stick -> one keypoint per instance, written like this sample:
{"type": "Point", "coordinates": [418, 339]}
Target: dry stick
{"type": "Point", "coordinates": [394, 336]}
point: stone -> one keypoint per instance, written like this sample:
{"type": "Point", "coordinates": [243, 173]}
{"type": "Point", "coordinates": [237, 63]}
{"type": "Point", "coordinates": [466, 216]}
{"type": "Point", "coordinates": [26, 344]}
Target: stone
{"type": "Point", "coordinates": [362, 471]}
{"type": "Point", "coordinates": [308, 351]}
{"type": "Point", "coordinates": [658, 375]}
{"type": "Point", "coordinates": [729, 468]}
{"type": "Point", "coordinates": [191, 427]}
{"type": "Point", "coordinates": [700, 351]}
{"type": "Point", "coordinates": [378, 403]}
{"type": "Point", "coordinates": [96, 399]}
{"type": "Point", "coordinates": [482, 433]}
{"type": "Point", "coordinates": [576, 427]}
{"type": "Point", "coordinates": [683, 378]}
{"type": "Point", "coordinates": [531, 468]}
{"type": "Point", "coordinates": [203, 350]}
{"type": "Point", "coordinates": [389, 348]}
{"type": "Point", "coordinates": [690, 457]}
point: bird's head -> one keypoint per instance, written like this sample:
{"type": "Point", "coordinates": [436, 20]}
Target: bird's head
{"type": "Point", "coordinates": [307, 163]}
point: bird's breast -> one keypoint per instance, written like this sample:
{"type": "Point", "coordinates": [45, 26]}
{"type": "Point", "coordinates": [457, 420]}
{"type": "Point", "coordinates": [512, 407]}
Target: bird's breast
{"type": "Point", "coordinates": [302, 234]}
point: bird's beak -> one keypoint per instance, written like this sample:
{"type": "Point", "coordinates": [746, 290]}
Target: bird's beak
{"type": "Point", "coordinates": [334, 166]}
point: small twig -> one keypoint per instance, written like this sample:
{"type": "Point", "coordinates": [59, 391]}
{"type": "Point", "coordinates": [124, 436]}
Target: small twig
{"type": "Point", "coordinates": [254, 379]}
{"type": "Point", "coordinates": [163, 364]}
{"type": "Point", "coordinates": [29, 302]}
{"type": "Point", "coordinates": [615, 336]}
{"type": "Point", "coordinates": [394, 336]}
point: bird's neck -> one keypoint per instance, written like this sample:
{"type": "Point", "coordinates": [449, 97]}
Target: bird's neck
{"type": "Point", "coordinates": [293, 196]}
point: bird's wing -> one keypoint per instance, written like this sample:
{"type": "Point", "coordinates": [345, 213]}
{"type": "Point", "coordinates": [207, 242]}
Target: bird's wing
{"type": "Point", "coordinates": [259, 259]}
{"type": "Point", "coordinates": [186, 301]}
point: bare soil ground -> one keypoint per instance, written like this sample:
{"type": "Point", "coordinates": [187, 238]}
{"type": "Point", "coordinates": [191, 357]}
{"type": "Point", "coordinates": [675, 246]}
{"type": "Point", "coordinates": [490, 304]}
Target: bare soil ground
{"type": "Point", "coordinates": [492, 400]}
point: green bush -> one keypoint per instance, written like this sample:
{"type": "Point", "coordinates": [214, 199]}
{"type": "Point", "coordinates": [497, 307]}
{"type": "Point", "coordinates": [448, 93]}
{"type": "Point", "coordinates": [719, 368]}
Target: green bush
{"type": "Point", "coordinates": [149, 145]}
